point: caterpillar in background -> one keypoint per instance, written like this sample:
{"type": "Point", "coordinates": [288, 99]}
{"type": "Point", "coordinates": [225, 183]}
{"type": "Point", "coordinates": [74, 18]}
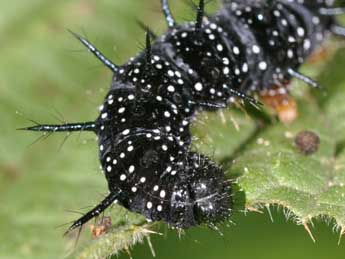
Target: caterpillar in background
{"type": "Point", "coordinates": [248, 47]}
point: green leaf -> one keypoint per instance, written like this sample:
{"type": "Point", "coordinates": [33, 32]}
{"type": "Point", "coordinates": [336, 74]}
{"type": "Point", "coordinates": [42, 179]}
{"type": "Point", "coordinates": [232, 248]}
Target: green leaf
{"type": "Point", "coordinates": [273, 171]}
{"type": "Point", "coordinates": [213, 132]}
{"type": "Point", "coordinates": [117, 240]}
{"type": "Point", "coordinates": [270, 169]}
{"type": "Point", "coordinates": [127, 230]}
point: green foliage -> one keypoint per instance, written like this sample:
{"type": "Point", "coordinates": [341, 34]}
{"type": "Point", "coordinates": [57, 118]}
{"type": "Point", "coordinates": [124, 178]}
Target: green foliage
{"type": "Point", "coordinates": [118, 239]}
{"type": "Point", "coordinates": [273, 171]}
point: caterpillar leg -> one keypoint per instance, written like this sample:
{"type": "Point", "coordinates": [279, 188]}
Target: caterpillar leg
{"type": "Point", "coordinates": [96, 211]}
{"type": "Point", "coordinates": [279, 100]}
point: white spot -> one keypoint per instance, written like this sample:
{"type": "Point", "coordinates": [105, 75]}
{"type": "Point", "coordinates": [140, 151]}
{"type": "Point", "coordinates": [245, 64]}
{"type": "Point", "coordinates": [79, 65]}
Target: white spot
{"type": "Point", "coordinates": [256, 49]}
{"type": "Point", "coordinates": [198, 86]}
{"type": "Point", "coordinates": [167, 114]}
{"type": "Point", "coordinates": [123, 177]}
{"type": "Point", "coordinates": [125, 132]}
{"type": "Point", "coordinates": [213, 26]}
{"type": "Point", "coordinates": [142, 179]}
{"type": "Point", "coordinates": [211, 36]}
{"type": "Point", "coordinates": [162, 194]}
{"type": "Point", "coordinates": [291, 39]}
{"type": "Point", "coordinates": [178, 74]}
{"type": "Point", "coordinates": [307, 44]}
{"type": "Point", "coordinates": [300, 31]}
{"type": "Point", "coordinates": [171, 88]}
{"type": "Point", "coordinates": [245, 68]}
{"type": "Point", "coordinates": [263, 65]}
{"type": "Point", "coordinates": [159, 208]}
{"type": "Point", "coordinates": [316, 20]}
{"type": "Point", "coordinates": [236, 50]}
{"type": "Point", "coordinates": [220, 47]}
{"type": "Point", "coordinates": [122, 110]}
{"type": "Point", "coordinates": [290, 53]}
{"type": "Point", "coordinates": [149, 205]}
{"type": "Point", "coordinates": [284, 22]}
{"type": "Point", "coordinates": [131, 169]}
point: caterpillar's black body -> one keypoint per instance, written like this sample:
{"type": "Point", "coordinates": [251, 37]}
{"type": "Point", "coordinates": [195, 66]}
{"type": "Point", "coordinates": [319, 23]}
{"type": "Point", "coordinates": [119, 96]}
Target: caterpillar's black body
{"type": "Point", "coordinates": [143, 128]}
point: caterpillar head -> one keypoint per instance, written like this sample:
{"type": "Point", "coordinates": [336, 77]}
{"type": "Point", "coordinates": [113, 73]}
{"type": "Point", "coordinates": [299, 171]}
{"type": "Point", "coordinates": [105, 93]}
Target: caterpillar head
{"type": "Point", "coordinates": [202, 196]}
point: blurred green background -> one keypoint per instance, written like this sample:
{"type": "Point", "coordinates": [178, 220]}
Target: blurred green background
{"type": "Point", "coordinates": [47, 76]}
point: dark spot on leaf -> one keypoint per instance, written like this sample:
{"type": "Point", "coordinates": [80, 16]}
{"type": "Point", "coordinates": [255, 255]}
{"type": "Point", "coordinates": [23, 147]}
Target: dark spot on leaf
{"type": "Point", "coordinates": [307, 142]}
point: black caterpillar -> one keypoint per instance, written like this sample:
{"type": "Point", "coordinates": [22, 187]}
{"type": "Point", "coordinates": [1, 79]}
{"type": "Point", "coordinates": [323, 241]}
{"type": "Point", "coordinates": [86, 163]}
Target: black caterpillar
{"type": "Point", "coordinates": [143, 128]}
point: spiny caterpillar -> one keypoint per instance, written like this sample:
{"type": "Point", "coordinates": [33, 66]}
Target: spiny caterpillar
{"type": "Point", "coordinates": [248, 47]}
